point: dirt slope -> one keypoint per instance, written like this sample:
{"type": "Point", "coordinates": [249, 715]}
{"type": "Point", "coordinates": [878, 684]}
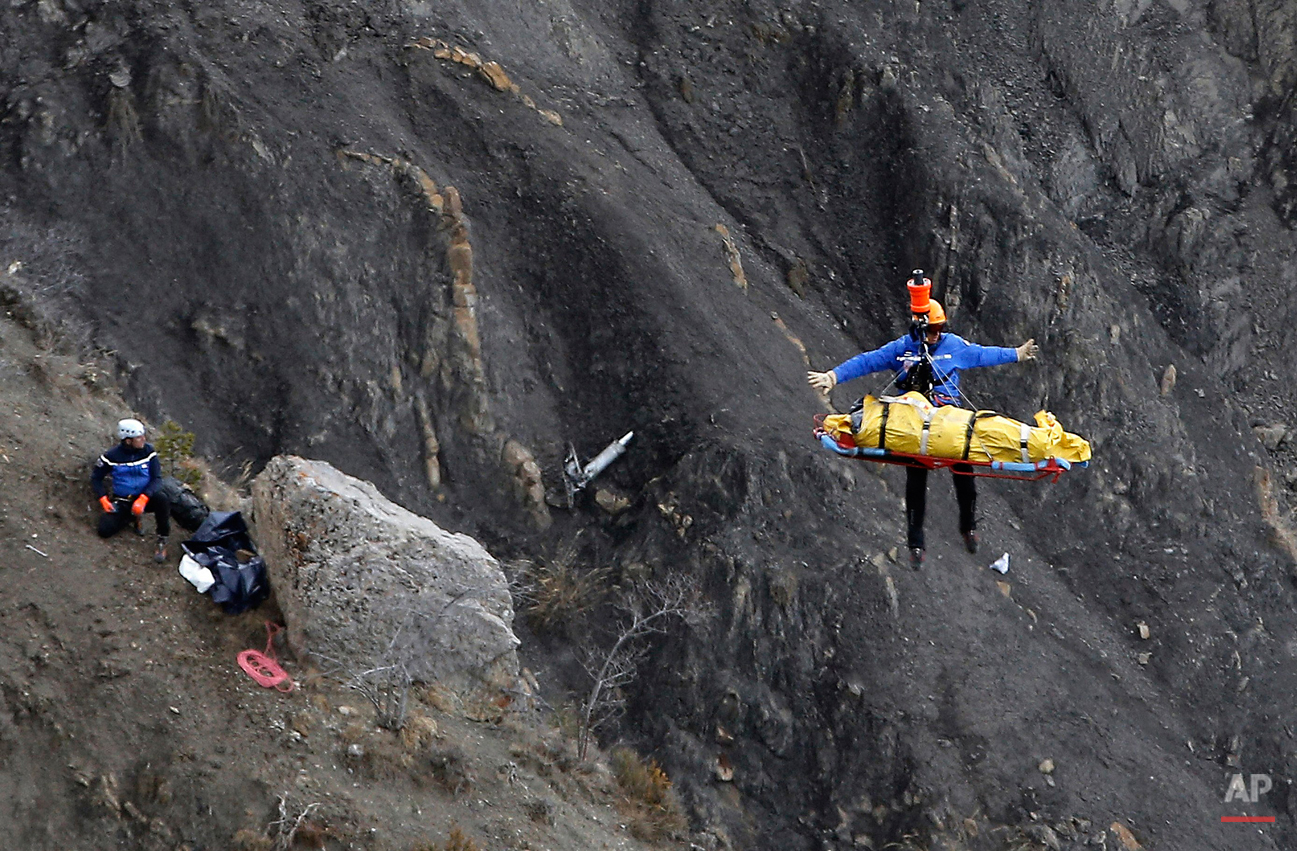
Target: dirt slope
{"type": "Point", "coordinates": [251, 207]}
{"type": "Point", "coordinates": [125, 722]}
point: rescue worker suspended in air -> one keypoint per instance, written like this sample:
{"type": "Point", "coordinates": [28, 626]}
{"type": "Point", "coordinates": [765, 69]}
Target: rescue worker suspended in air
{"type": "Point", "coordinates": [928, 360]}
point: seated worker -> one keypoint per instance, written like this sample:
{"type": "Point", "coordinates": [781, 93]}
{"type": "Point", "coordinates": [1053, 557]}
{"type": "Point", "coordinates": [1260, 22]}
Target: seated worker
{"type": "Point", "coordinates": [939, 357]}
{"type": "Point", "coordinates": [135, 472]}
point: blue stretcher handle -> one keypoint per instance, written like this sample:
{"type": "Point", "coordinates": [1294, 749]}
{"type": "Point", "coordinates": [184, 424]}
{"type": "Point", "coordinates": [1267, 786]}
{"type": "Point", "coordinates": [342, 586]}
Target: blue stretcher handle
{"type": "Point", "coordinates": [1030, 466]}
{"type": "Point", "coordinates": [830, 443]}
{"type": "Point", "coordinates": [1017, 466]}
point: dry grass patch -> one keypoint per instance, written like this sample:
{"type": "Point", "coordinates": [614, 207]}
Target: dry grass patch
{"type": "Point", "coordinates": [449, 767]}
{"type": "Point", "coordinates": [354, 733]}
{"type": "Point", "coordinates": [556, 593]}
{"type": "Point", "coordinates": [418, 733]}
{"type": "Point", "coordinates": [648, 800]}
{"type": "Point", "coordinates": [250, 840]}
{"type": "Point", "coordinates": [438, 698]}
{"type": "Point", "coordinates": [456, 841]}
{"type": "Point", "coordinates": [540, 810]}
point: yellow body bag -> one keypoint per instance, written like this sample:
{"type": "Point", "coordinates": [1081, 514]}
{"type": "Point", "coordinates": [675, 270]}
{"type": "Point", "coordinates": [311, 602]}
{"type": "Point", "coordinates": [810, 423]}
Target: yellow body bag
{"type": "Point", "coordinates": [913, 425]}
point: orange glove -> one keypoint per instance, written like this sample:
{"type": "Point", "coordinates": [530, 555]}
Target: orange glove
{"type": "Point", "coordinates": [107, 505]}
{"type": "Point", "coordinates": [137, 507]}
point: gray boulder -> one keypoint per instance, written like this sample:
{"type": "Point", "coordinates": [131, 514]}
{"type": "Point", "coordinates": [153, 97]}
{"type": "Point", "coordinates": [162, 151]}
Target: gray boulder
{"type": "Point", "coordinates": [365, 583]}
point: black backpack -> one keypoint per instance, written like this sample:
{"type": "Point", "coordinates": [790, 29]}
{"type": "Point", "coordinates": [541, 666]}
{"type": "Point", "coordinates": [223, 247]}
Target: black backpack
{"type": "Point", "coordinates": [187, 509]}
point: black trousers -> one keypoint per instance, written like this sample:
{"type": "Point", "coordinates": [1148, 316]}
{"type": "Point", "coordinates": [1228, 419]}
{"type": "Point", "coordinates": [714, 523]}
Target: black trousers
{"type": "Point", "coordinates": [110, 523]}
{"type": "Point", "coordinates": [916, 501]}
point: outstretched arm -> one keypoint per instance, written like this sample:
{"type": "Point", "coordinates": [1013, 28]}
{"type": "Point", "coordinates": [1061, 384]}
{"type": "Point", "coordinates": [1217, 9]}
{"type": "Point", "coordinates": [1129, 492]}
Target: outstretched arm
{"type": "Point", "coordinates": [966, 355]}
{"type": "Point", "coordinates": [884, 357]}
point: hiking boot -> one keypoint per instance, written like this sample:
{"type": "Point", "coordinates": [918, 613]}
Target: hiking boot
{"type": "Point", "coordinates": [970, 541]}
{"type": "Point", "coordinates": [160, 554]}
{"type": "Point", "coordinates": [916, 557]}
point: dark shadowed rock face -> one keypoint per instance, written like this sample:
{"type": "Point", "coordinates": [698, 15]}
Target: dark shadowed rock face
{"type": "Point", "coordinates": [251, 206]}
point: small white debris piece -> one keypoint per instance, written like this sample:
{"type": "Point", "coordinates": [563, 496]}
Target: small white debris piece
{"type": "Point", "coordinates": [1001, 564]}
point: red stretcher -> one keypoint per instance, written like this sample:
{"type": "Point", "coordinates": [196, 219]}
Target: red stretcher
{"type": "Point", "coordinates": [1026, 471]}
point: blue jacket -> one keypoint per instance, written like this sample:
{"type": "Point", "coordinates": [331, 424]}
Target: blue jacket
{"type": "Point", "coordinates": [133, 471]}
{"type": "Point", "coordinates": [951, 354]}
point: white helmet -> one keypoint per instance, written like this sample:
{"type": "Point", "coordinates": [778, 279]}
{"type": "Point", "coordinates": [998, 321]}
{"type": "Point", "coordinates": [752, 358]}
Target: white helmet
{"type": "Point", "coordinates": [129, 428]}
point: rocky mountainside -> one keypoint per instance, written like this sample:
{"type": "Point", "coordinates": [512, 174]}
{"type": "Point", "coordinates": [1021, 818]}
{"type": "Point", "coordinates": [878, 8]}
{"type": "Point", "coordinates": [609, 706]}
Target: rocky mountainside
{"type": "Point", "coordinates": [435, 244]}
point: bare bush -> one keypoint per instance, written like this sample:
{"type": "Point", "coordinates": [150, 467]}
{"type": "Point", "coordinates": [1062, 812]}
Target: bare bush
{"type": "Point", "coordinates": [647, 609]}
{"type": "Point", "coordinates": [280, 834]}
{"type": "Point", "coordinates": [387, 682]}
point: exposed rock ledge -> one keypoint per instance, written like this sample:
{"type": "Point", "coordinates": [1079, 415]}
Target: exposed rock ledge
{"type": "Point", "coordinates": [365, 582]}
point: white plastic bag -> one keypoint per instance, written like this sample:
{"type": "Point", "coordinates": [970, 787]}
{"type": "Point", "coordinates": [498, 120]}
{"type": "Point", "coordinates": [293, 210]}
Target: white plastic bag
{"type": "Point", "coordinates": [197, 575]}
{"type": "Point", "coordinates": [1001, 564]}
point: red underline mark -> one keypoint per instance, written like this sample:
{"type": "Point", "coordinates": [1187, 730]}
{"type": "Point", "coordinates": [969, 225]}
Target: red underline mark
{"type": "Point", "coordinates": [1248, 819]}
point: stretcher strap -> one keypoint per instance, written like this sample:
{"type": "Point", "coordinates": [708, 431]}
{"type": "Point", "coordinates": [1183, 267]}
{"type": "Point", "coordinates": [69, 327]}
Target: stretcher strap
{"type": "Point", "coordinates": [1024, 437]}
{"type": "Point", "coordinates": [972, 421]}
{"type": "Point", "coordinates": [882, 426]}
{"type": "Point", "coordinates": [927, 426]}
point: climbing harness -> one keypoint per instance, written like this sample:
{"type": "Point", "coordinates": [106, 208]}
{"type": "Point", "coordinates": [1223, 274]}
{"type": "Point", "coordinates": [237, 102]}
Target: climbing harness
{"type": "Point", "coordinates": [264, 667]}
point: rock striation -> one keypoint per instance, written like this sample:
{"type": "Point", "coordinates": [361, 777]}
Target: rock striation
{"type": "Point", "coordinates": [365, 583]}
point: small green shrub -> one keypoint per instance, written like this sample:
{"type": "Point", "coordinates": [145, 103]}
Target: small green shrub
{"type": "Point", "coordinates": [175, 448]}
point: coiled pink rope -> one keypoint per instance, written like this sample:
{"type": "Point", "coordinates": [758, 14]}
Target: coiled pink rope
{"type": "Point", "coordinates": [264, 667]}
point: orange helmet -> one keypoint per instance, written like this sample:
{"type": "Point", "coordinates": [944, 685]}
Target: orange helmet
{"type": "Point", "coordinates": [933, 317]}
